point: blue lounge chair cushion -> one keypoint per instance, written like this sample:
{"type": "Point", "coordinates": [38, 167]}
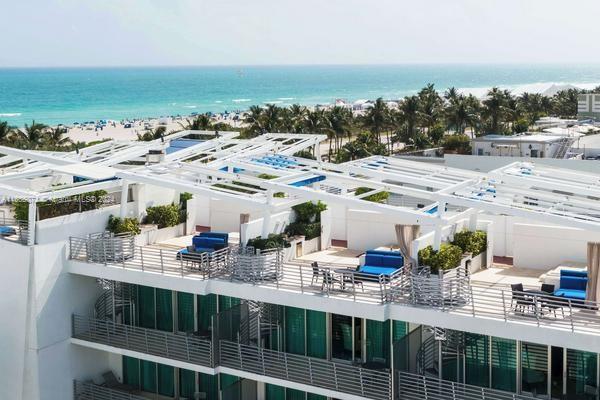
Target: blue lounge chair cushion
{"type": "Point", "coordinates": [573, 283]}
{"type": "Point", "coordinates": [570, 293]}
{"type": "Point", "coordinates": [377, 270]}
{"type": "Point", "coordinates": [392, 261]}
{"type": "Point", "coordinates": [572, 272]}
{"type": "Point", "coordinates": [221, 235]}
{"type": "Point", "coordinates": [7, 230]}
{"type": "Point", "coordinates": [207, 242]}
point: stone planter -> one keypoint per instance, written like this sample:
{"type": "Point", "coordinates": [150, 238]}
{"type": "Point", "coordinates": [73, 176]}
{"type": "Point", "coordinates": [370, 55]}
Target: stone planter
{"type": "Point", "coordinates": [151, 234]}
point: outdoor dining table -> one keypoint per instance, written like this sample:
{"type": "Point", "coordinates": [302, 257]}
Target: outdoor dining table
{"type": "Point", "coordinates": [347, 276]}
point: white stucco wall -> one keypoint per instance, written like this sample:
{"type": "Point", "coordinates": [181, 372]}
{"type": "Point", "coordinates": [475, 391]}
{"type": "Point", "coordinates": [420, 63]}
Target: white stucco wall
{"type": "Point", "coordinates": [545, 247]}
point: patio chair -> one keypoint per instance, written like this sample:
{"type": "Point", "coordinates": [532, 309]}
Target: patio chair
{"type": "Point", "coordinates": [352, 280]}
{"type": "Point", "coordinates": [520, 301]}
{"type": "Point", "coordinates": [111, 382]}
{"type": "Point", "coordinates": [316, 272]}
{"type": "Point", "coordinates": [328, 280]}
{"type": "Point", "coordinates": [549, 301]}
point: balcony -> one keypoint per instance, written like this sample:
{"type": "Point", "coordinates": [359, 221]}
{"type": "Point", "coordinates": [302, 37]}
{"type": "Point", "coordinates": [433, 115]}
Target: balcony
{"type": "Point", "coordinates": [419, 387]}
{"type": "Point", "coordinates": [477, 298]}
{"type": "Point", "coordinates": [337, 377]}
{"type": "Point", "coordinates": [91, 391]}
{"type": "Point", "coordinates": [180, 347]}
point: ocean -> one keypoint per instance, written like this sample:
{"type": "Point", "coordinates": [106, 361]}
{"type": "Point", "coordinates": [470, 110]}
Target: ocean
{"type": "Point", "coordinates": [67, 95]}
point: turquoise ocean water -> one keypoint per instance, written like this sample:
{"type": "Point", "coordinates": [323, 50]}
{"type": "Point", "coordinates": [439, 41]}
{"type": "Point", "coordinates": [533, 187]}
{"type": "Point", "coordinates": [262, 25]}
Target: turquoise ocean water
{"type": "Point", "coordinates": [66, 95]}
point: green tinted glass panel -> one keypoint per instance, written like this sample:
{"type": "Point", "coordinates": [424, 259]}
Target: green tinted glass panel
{"type": "Point", "coordinates": [227, 380]}
{"type": "Point", "coordinates": [534, 368]}
{"type": "Point", "coordinates": [146, 307]}
{"type": "Point", "coordinates": [226, 302]}
{"type": "Point", "coordinates": [504, 364]}
{"type": "Point", "coordinates": [399, 330]}
{"type": "Point", "coordinates": [274, 392]}
{"type": "Point", "coordinates": [148, 376]}
{"type": "Point", "coordinates": [476, 360]}
{"type": "Point", "coordinates": [316, 334]}
{"type": "Point", "coordinates": [378, 341]}
{"type": "Point", "coordinates": [207, 307]}
{"type": "Point", "coordinates": [164, 310]}
{"type": "Point", "coordinates": [208, 384]}
{"type": "Point", "coordinates": [166, 380]}
{"type": "Point", "coordinates": [187, 383]}
{"type": "Point", "coordinates": [185, 312]}
{"type": "Point", "coordinates": [294, 330]}
{"type": "Point", "coordinates": [312, 396]}
{"type": "Point", "coordinates": [293, 394]}
{"type": "Point", "coordinates": [341, 337]}
{"type": "Point", "coordinates": [581, 374]}
{"type": "Point", "coordinates": [131, 371]}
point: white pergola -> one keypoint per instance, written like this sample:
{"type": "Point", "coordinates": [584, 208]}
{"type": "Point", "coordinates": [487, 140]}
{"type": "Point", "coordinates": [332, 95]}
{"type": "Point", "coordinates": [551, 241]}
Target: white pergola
{"type": "Point", "coordinates": [251, 171]}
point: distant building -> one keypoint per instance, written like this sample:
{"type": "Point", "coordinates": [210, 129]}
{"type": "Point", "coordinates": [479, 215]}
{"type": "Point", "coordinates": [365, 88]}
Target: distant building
{"type": "Point", "coordinates": [588, 106]}
{"type": "Point", "coordinates": [534, 146]}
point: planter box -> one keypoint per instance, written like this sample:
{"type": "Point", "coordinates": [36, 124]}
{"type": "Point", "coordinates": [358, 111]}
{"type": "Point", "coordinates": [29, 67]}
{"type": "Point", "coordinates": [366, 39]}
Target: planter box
{"type": "Point", "coordinates": [300, 247]}
{"type": "Point", "coordinates": [151, 234]}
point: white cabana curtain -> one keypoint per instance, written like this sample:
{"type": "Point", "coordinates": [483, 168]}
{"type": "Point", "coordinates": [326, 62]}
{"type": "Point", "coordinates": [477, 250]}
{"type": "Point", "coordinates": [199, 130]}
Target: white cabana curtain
{"type": "Point", "coordinates": [405, 235]}
{"type": "Point", "coordinates": [593, 268]}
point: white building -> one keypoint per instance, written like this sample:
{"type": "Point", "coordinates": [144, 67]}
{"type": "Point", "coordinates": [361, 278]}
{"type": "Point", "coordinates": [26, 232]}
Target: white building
{"type": "Point", "coordinates": [89, 315]}
{"type": "Point", "coordinates": [534, 146]}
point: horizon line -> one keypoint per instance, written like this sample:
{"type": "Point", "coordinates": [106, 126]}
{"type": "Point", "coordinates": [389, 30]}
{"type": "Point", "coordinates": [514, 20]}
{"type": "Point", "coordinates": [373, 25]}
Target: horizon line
{"type": "Point", "coordinates": [124, 66]}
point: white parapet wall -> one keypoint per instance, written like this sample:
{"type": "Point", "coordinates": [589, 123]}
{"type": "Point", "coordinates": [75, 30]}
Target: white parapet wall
{"type": "Point", "coordinates": [545, 246]}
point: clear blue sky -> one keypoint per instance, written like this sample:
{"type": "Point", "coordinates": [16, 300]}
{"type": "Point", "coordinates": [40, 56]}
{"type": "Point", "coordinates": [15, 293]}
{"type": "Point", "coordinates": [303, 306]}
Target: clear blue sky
{"type": "Point", "coordinates": [242, 32]}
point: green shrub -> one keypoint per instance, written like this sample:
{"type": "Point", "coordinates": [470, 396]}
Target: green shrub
{"type": "Point", "coordinates": [380, 197]}
{"type": "Point", "coordinates": [273, 241]}
{"type": "Point", "coordinates": [21, 209]}
{"type": "Point", "coordinates": [123, 225]}
{"type": "Point", "coordinates": [471, 242]}
{"type": "Point", "coordinates": [267, 176]}
{"type": "Point", "coordinates": [184, 197]}
{"type": "Point", "coordinates": [305, 154]}
{"type": "Point", "coordinates": [309, 212]}
{"type": "Point", "coordinates": [55, 208]}
{"type": "Point", "coordinates": [448, 257]}
{"type": "Point", "coordinates": [164, 216]}
{"type": "Point", "coordinates": [310, 230]}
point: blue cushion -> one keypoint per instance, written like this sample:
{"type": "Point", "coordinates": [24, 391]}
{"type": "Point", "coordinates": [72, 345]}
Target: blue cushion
{"type": "Point", "coordinates": [376, 270]}
{"type": "Point", "coordinates": [571, 272]}
{"type": "Point", "coordinates": [573, 282]}
{"type": "Point", "coordinates": [391, 261]}
{"type": "Point", "coordinates": [384, 253]}
{"type": "Point", "coordinates": [208, 242]}
{"type": "Point", "coordinates": [7, 230]}
{"type": "Point", "coordinates": [570, 294]}
{"type": "Point", "coordinates": [374, 259]}
{"type": "Point", "coordinates": [221, 235]}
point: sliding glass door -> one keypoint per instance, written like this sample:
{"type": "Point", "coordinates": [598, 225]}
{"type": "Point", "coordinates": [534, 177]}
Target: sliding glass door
{"type": "Point", "coordinates": [534, 369]}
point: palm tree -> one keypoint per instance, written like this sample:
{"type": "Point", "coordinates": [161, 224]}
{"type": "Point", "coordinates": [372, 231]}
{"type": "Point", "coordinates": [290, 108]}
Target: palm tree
{"type": "Point", "coordinates": [272, 116]}
{"type": "Point", "coordinates": [460, 114]}
{"type": "Point", "coordinates": [297, 114]}
{"type": "Point", "coordinates": [496, 110]}
{"type": "Point", "coordinates": [430, 106]}
{"type": "Point", "coordinates": [201, 122]}
{"type": "Point", "coordinates": [32, 136]}
{"type": "Point", "coordinates": [409, 116]}
{"type": "Point", "coordinates": [254, 118]}
{"type": "Point", "coordinates": [317, 123]}
{"type": "Point", "coordinates": [152, 134]}
{"type": "Point", "coordinates": [6, 131]}
{"type": "Point", "coordinates": [339, 120]}
{"type": "Point", "coordinates": [451, 94]}
{"type": "Point", "coordinates": [377, 119]}
{"type": "Point", "coordinates": [54, 139]}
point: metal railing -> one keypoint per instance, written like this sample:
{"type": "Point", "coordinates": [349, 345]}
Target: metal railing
{"type": "Point", "coordinates": [14, 230]}
{"type": "Point", "coordinates": [454, 294]}
{"type": "Point", "coordinates": [181, 347]}
{"type": "Point", "coordinates": [335, 376]}
{"type": "Point", "coordinates": [91, 391]}
{"type": "Point", "coordinates": [419, 387]}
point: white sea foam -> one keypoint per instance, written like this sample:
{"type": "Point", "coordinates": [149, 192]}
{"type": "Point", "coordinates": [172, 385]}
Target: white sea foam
{"type": "Point", "coordinates": [285, 98]}
{"type": "Point", "coordinates": [218, 101]}
{"type": "Point", "coordinates": [241, 100]}
{"type": "Point", "coordinates": [190, 106]}
{"type": "Point", "coordinates": [273, 102]}
{"type": "Point", "coordinates": [9, 115]}
{"type": "Point", "coordinates": [538, 87]}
